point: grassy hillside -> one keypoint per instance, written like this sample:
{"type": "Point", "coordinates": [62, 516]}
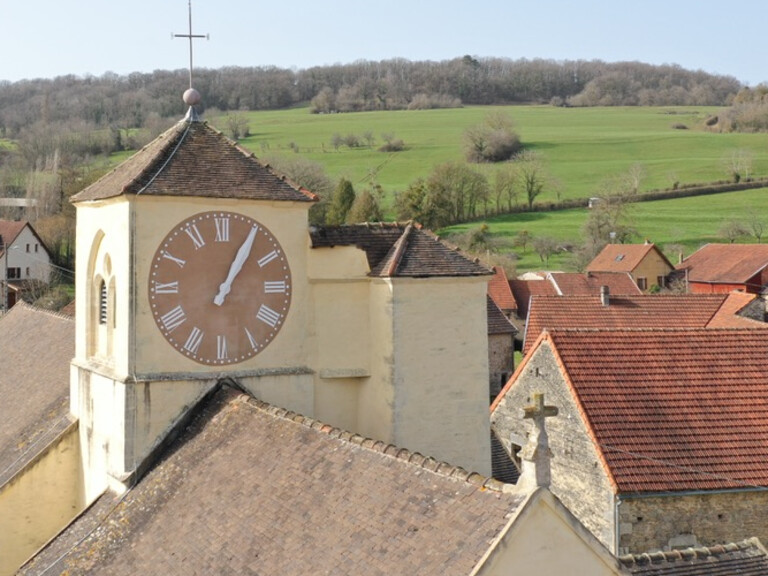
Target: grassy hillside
{"type": "Point", "coordinates": [582, 147]}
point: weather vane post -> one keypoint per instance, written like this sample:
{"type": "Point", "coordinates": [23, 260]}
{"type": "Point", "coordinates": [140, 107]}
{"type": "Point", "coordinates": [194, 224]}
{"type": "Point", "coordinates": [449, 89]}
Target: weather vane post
{"type": "Point", "coordinates": [191, 37]}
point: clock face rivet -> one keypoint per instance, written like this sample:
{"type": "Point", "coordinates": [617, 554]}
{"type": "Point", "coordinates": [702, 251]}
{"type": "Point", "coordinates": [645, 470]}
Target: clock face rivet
{"type": "Point", "coordinates": [219, 287]}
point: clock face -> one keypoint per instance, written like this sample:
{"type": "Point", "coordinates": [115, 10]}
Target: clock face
{"type": "Point", "coordinates": [219, 287]}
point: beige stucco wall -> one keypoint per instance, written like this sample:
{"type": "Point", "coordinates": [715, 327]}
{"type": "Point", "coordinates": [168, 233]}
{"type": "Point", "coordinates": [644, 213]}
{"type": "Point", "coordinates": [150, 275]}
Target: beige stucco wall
{"type": "Point", "coordinates": [440, 368]}
{"type": "Point", "coordinates": [650, 268]}
{"type": "Point", "coordinates": [578, 476]}
{"type": "Point", "coordinates": [544, 540]}
{"type": "Point", "coordinates": [39, 501]}
{"type": "Point", "coordinates": [22, 255]}
{"type": "Point", "coordinates": [705, 519]}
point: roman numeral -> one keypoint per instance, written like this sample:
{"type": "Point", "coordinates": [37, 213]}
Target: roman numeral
{"type": "Point", "coordinates": [251, 339]}
{"type": "Point", "coordinates": [268, 316]}
{"type": "Point", "coordinates": [173, 318]}
{"type": "Point", "coordinates": [194, 234]}
{"type": "Point", "coordinates": [168, 256]}
{"type": "Point", "coordinates": [169, 288]}
{"type": "Point", "coordinates": [274, 287]}
{"type": "Point", "coordinates": [221, 348]}
{"type": "Point", "coordinates": [222, 229]}
{"type": "Point", "coordinates": [193, 341]}
{"type": "Point", "coordinates": [267, 258]}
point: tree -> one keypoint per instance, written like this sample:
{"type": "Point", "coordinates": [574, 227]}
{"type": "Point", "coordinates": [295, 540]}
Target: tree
{"type": "Point", "coordinates": [309, 175]}
{"type": "Point", "coordinates": [343, 198]}
{"type": "Point", "coordinates": [756, 224]}
{"type": "Point", "coordinates": [607, 221]}
{"type": "Point", "coordinates": [492, 141]}
{"type": "Point", "coordinates": [522, 239]}
{"type": "Point", "coordinates": [545, 246]}
{"type": "Point", "coordinates": [732, 230]}
{"type": "Point", "coordinates": [505, 187]}
{"type": "Point", "coordinates": [530, 175]}
{"type": "Point", "coordinates": [738, 164]}
{"type": "Point", "coordinates": [454, 193]}
{"type": "Point", "coordinates": [237, 126]}
{"type": "Point", "coordinates": [366, 206]}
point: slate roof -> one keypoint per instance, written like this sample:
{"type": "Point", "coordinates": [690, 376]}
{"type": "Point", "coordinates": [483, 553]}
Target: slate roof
{"type": "Point", "coordinates": [576, 284]}
{"type": "Point", "coordinates": [399, 250]}
{"type": "Point", "coordinates": [194, 159]}
{"type": "Point", "coordinates": [497, 322]}
{"type": "Point", "coordinates": [745, 558]}
{"type": "Point", "coordinates": [639, 311]}
{"type": "Point", "coordinates": [670, 410]}
{"type": "Point", "coordinates": [36, 347]}
{"type": "Point", "coordinates": [499, 290]}
{"type": "Point", "coordinates": [725, 263]}
{"type": "Point", "coordinates": [623, 257]}
{"type": "Point", "coordinates": [249, 488]}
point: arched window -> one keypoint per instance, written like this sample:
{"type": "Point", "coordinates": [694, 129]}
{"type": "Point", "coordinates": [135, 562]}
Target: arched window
{"type": "Point", "coordinates": [102, 303]}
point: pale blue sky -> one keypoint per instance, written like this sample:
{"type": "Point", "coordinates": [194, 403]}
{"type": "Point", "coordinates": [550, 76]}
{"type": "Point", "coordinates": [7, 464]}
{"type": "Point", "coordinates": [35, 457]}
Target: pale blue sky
{"type": "Point", "coordinates": [47, 38]}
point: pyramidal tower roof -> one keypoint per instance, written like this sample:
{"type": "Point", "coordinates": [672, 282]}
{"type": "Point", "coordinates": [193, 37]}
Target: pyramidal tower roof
{"type": "Point", "coordinates": [194, 159]}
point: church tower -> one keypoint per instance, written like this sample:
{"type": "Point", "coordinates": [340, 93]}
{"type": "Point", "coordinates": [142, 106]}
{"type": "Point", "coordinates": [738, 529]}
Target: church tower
{"type": "Point", "coordinates": [184, 276]}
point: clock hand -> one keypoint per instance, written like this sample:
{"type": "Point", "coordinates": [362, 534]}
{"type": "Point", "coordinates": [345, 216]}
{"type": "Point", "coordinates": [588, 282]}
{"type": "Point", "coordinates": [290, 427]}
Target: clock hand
{"type": "Point", "coordinates": [237, 265]}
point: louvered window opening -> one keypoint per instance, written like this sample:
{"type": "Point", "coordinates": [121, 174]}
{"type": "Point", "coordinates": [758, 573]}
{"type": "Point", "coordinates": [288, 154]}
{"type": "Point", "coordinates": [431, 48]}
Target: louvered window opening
{"type": "Point", "coordinates": [103, 303]}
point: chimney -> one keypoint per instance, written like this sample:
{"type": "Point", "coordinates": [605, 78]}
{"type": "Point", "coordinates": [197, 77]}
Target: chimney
{"type": "Point", "coordinates": [605, 298]}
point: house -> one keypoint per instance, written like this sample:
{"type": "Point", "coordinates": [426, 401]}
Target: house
{"type": "Point", "coordinates": [661, 441]}
{"type": "Point", "coordinates": [501, 348]}
{"type": "Point", "coordinates": [36, 431]}
{"type": "Point", "coordinates": [249, 488]}
{"type": "Point", "coordinates": [524, 289]}
{"type": "Point", "coordinates": [591, 283]}
{"type": "Point", "coordinates": [501, 293]}
{"type": "Point", "coordinates": [644, 262]}
{"type": "Point", "coordinates": [25, 261]}
{"type": "Point", "coordinates": [653, 311]}
{"type": "Point", "coordinates": [725, 268]}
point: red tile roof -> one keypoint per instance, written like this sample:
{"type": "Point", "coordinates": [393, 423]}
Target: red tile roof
{"type": "Point", "coordinates": [623, 257]}
{"type": "Point", "coordinates": [728, 314]}
{"type": "Point", "coordinates": [643, 311]}
{"type": "Point", "coordinates": [671, 410]}
{"type": "Point", "coordinates": [9, 230]}
{"type": "Point", "coordinates": [725, 263]}
{"type": "Point", "coordinates": [524, 289]}
{"type": "Point", "coordinates": [576, 284]}
{"type": "Point", "coordinates": [193, 159]}
{"type": "Point", "coordinates": [250, 488]}
{"type": "Point", "coordinates": [499, 290]}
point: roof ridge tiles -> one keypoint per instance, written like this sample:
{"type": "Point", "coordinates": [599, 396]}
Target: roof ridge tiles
{"type": "Point", "coordinates": [687, 554]}
{"type": "Point", "coordinates": [391, 450]}
{"type": "Point", "coordinates": [33, 308]}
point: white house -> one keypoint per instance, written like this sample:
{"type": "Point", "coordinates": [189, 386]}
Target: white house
{"type": "Point", "coordinates": [24, 259]}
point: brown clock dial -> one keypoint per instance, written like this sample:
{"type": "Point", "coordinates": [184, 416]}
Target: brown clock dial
{"type": "Point", "coordinates": [219, 287]}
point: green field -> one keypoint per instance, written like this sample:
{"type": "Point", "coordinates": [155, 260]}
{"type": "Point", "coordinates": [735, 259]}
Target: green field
{"type": "Point", "coordinates": [581, 147]}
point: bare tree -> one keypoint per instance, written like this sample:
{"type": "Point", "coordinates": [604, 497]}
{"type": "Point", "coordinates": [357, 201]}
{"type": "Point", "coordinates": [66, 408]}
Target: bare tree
{"type": "Point", "coordinates": [530, 175]}
{"type": "Point", "coordinates": [738, 164]}
{"type": "Point", "coordinates": [756, 224]}
{"type": "Point", "coordinates": [237, 126]}
{"type": "Point", "coordinates": [505, 187]}
{"type": "Point", "coordinates": [545, 246]}
{"type": "Point", "coordinates": [732, 230]}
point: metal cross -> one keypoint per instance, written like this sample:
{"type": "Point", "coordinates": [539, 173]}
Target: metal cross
{"type": "Point", "coordinates": [191, 37]}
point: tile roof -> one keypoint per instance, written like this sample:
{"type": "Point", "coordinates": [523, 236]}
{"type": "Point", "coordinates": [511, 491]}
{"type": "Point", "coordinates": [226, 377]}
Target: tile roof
{"type": "Point", "coordinates": [728, 314]}
{"type": "Point", "coordinates": [36, 347]}
{"type": "Point", "coordinates": [9, 230]}
{"type": "Point", "coordinates": [193, 159]}
{"type": "Point", "coordinates": [745, 558]}
{"type": "Point", "coordinates": [499, 290]}
{"type": "Point", "coordinates": [725, 263]}
{"type": "Point", "coordinates": [639, 311]}
{"type": "Point", "coordinates": [577, 284]}
{"type": "Point", "coordinates": [623, 257]}
{"type": "Point", "coordinates": [252, 489]}
{"type": "Point", "coordinates": [399, 250]}
{"type": "Point", "coordinates": [524, 289]}
{"type": "Point", "coordinates": [671, 410]}
{"type": "Point", "coordinates": [497, 322]}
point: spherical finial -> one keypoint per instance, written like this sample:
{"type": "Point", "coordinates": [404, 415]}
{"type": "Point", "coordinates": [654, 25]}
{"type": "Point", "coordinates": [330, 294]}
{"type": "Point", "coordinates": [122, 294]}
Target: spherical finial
{"type": "Point", "coordinates": [192, 97]}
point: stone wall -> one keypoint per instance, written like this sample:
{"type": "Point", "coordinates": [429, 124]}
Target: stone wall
{"type": "Point", "coordinates": [578, 476]}
{"type": "Point", "coordinates": [672, 521]}
{"type": "Point", "coordinates": [501, 361]}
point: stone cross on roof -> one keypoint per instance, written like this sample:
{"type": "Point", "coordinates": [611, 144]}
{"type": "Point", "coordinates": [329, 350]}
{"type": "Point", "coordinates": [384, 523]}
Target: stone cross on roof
{"type": "Point", "coordinates": [536, 454]}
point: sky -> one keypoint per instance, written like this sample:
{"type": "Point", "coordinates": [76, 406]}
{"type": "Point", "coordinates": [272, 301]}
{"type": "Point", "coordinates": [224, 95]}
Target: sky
{"type": "Point", "coordinates": [48, 38]}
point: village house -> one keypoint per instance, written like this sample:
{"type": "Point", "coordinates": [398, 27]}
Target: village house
{"type": "Point", "coordinates": [661, 441]}
{"type": "Point", "coordinates": [717, 268]}
{"type": "Point", "coordinates": [647, 265]}
{"type": "Point", "coordinates": [501, 348]}
{"type": "Point", "coordinates": [607, 311]}
{"type": "Point", "coordinates": [25, 263]}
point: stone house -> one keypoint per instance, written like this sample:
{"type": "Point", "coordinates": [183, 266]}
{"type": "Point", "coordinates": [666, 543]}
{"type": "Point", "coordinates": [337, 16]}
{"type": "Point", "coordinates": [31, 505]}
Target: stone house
{"type": "Point", "coordinates": [724, 268]}
{"type": "Point", "coordinates": [646, 263]}
{"type": "Point", "coordinates": [501, 348]}
{"type": "Point", "coordinates": [662, 438]}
